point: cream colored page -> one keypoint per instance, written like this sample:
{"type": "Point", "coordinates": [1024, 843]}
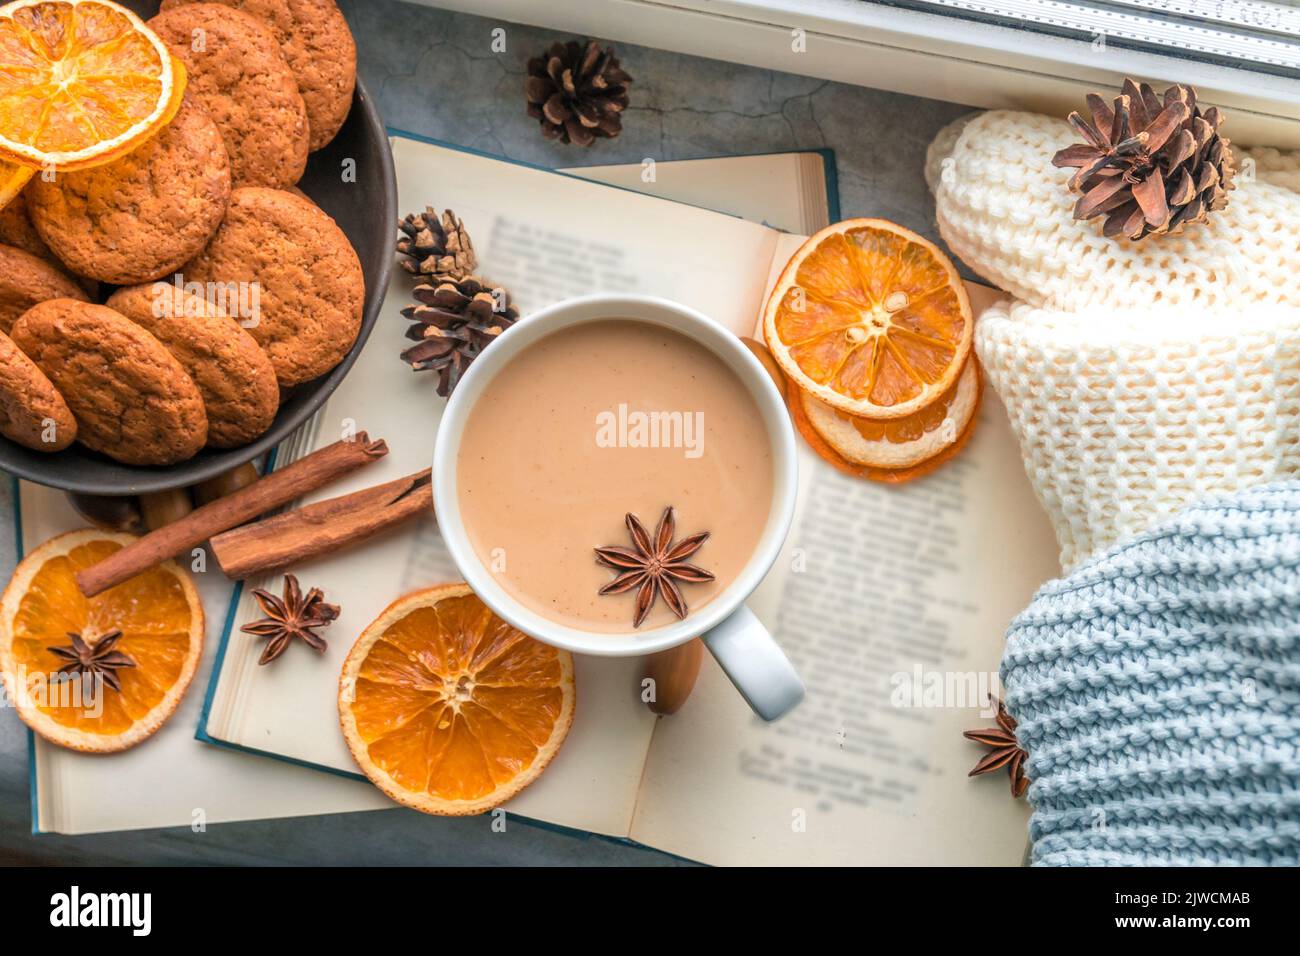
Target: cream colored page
{"type": "Point", "coordinates": [544, 237]}
{"type": "Point", "coordinates": [787, 244]}
{"type": "Point", "coordinates": [172, 779]}
{"type": "Point", "coordinates": [774, 189]}
{"type": "Point", "coordinates": [875, 583]}
{"type": "Point", "coordinates": [547, 237]}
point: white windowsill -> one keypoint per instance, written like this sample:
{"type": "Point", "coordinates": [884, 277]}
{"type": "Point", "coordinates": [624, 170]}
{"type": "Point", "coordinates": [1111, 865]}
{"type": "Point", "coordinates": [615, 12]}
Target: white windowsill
{"type": "Point", "coordinates": [923, 54]}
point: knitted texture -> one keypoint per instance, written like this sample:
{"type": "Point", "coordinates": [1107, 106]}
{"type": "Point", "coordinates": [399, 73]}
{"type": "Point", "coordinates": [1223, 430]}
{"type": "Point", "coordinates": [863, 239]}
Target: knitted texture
{"type": "Point", "coordinates": [1139, 376]}
{"type": "Point", "coordinates": [1157, 693]}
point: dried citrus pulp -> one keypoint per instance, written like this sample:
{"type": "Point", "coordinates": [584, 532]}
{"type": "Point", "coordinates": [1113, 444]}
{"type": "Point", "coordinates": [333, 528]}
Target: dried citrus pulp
{"type": "Point", "coordinates": [12, 180]}
{"type": "Point", "coordinates": [872, 326]}
{"type": "Point", "coordinates": [870, 319]}
{"type": "Point", "coordinates": [893, 449]}
{"type": "Point", "coordinates": [449, 709]}
{"type": "Point", "coordinates": [161, 623]}
{"type": "Point", "coordinates": [82, 82]}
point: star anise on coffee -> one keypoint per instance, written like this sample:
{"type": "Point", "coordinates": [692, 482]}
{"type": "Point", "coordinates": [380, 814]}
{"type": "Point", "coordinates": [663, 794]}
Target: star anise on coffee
{"type": "Point", "coordinates": [94, 660]}
{"type": "Point", "coordinates": [655, 567]}
{"type": "Point", "coordinates": [291, 616]}
{"type": "Point", "coordinates": [1005, 752]}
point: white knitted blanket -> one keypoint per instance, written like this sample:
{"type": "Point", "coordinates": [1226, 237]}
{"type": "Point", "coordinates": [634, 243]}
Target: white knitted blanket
{"type": "Point", "coordinates": [1139, 377]}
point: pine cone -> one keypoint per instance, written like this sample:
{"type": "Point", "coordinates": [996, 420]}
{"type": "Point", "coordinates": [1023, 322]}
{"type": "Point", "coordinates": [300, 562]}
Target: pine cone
{"type": "Point", "coordinates": [577, 92]}
{"type": "Point", "coordinates": [455, 320]}
{"type": "Point", "coordinates": [1150, 167]}
{"type": "Point", "coordinates": [440, 249]}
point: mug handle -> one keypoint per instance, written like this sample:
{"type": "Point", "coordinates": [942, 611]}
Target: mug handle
{"type": "Point", "coordinates": [755, 664]}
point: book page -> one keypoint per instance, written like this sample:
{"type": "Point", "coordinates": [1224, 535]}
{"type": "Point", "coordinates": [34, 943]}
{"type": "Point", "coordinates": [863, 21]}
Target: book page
{"type": "Point", "coordinates": [171, 779]}
{"type": "Point", "coordinates": [786, 246]}
{"type": "Point", "coordinates": [545, 237]}
{"type": "Point", "coordinates": [786, 191]}
{"type": "Point", "coordinates": [889, 605]}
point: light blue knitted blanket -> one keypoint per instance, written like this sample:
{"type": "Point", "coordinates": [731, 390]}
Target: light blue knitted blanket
{"type": "Point", "coordinates": [1157, 692]}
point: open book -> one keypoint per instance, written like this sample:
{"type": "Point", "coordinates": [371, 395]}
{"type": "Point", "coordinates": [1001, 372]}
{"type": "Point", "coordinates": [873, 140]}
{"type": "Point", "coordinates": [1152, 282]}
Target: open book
{"type": "Point", "coordinates": [891, 601]}
{"type": "Point", "coordinates": [174, 781]}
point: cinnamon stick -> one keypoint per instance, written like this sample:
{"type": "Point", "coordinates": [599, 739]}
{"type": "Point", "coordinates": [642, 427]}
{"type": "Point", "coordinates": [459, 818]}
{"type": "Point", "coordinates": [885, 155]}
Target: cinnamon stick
{"type": "Point", "coordinates": [321, 528]}
{"type": "Point", "coordinates": [271, 491]}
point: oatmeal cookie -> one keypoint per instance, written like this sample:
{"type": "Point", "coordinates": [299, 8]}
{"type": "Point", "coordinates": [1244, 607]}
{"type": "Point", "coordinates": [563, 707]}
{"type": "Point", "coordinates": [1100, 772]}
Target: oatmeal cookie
{"type": "Point", "coordinates": [32, 412]}
{"type": "Point", "coordinates": [145, 215]}
{"type": "Point", "coordinates": [132, 400]}
{"type": "Point", "coordinates": [308, 281]}
{"type": "Point", "coordinates": [26, 280]}
{"type": "Point", "coordinates": [238, 74]}
{"type": "Point", "coordinates": [232, 372]}
{"type": "Point", "coordinates": [315, 40]}
{"type": "Point", "coordinates": [16, 228]}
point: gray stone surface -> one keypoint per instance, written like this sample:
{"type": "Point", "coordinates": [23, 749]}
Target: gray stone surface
{"type": "Point", "coordinates": [438, 76]}
{"type": "Point", "coordinates": [435, 74]}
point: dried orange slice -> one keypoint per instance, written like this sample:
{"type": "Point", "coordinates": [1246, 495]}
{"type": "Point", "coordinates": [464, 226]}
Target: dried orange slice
{"type": "Point", "coordinates": [769, 364]}
{"type": "Point", "coordinates": [449, 709]}
{"type": "Point", "coordinates": [161, 621]}
{"type": "Point", "coordinates": [12, 180]}
{"type": "Point", "coordinates": [82, 82]}
{"type": "Point", "coordinates": [870, 318]}
{"type": "Point", "coordinates": [900, 442]}
{"type": "Point", "coordinates": [801, 406]}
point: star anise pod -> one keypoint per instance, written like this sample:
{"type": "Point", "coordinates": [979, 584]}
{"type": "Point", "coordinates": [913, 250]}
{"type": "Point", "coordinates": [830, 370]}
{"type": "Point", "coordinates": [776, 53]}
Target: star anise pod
{"type": "Point", "coordinates": [1006, 750]}
{"type": "Point", "coordinates": [1150, 165]}
{"type": "Point", "coordinates": [94, 660]}
{"type": "Point", "coordinates": [290, 617]}
{"type": "Point", "coordinates": [654, 567]}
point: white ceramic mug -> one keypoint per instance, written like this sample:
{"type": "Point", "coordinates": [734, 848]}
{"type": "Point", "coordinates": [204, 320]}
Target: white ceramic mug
{"type": "Point", "coordinates": [742, 646]}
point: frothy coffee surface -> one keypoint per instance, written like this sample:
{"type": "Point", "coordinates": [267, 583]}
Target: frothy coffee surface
{"type": "Point", "coordinates": [595, 421]}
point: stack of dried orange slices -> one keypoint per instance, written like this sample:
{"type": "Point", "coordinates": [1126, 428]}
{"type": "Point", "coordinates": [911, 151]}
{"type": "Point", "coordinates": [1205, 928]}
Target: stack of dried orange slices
{"type": "Point", "coordinates": [82, 83]}
{"type": "Point", "coordinates": [871, 325]}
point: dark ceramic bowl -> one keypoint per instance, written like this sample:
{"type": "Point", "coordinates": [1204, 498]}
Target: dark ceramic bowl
{"type": "Point", "coordinates": [367, 212]}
